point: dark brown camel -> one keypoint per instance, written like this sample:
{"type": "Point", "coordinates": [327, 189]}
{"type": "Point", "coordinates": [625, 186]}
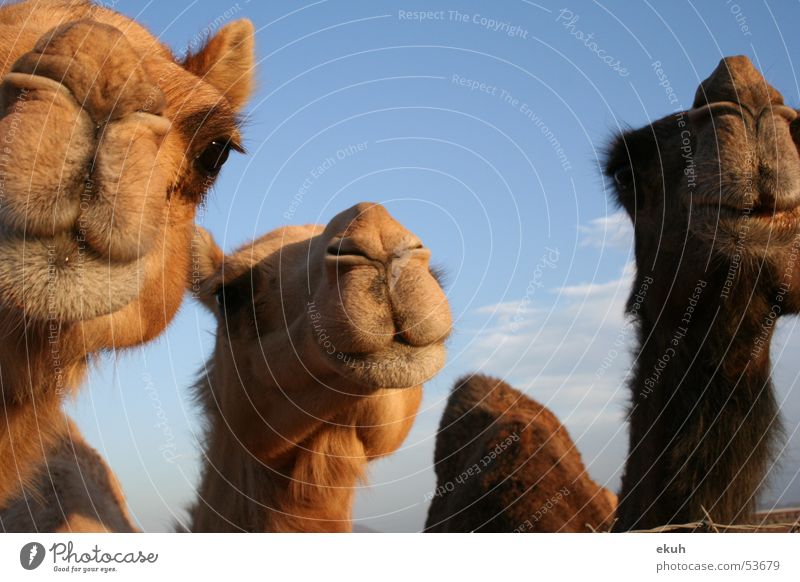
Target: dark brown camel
{"type": "Point", "coordinates": [504, 463]}
{"type": "Point", "coordinates": [713, 193]}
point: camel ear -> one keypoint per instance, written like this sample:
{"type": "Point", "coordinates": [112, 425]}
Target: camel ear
{"type": "Point", "coordinates": [227, 62]}
{"type": "Point", "coordinates": [207, 259]}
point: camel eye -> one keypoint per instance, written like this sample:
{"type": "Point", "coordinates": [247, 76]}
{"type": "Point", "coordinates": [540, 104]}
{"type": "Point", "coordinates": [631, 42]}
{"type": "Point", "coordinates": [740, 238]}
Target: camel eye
{"type": "Point", "coordinates": [230, 298]}
{"type": "Point", "coordinates": [211, 159]}
{"type": "Point", "coordinates": [238, 294]}
{"type": "Point", "coordinates": [623, 177]}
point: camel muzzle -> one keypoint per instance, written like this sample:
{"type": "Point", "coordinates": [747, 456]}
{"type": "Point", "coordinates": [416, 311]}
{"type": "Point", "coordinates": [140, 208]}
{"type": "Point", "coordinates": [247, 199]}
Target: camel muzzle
{"type": "Point", "coordinates": [743, 143]}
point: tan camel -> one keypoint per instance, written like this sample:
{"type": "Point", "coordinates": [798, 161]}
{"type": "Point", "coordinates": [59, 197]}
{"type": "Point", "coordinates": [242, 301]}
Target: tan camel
{"type": "Point", "coordinates": [75, 492]}
{"type": "Point", "coordinates": [109, 145]}
{"type": "Point", "coordinates": [325, 336]}
{"type": "Point", "coordinates": [504, 463]}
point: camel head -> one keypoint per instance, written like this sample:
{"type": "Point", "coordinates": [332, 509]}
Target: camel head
{"type": "Point", "coordinates": [718, 184]}
{"type": "Point", "coordinates": [111, 143]}
{"type": "Point", "coordinates": [352, 304]}
{"type": "Point", "coordinates": [317, 321]}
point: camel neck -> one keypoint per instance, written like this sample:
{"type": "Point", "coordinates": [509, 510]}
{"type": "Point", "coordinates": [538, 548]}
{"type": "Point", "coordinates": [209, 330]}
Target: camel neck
{"type": "Point", "coordinates": [36, 373]}
{"type": "Point", "coordinates": [310, 489]}
{"type": "Point", "coordinates": [36, 359]}
{"type": "Point", "coordinates": [703, 417]}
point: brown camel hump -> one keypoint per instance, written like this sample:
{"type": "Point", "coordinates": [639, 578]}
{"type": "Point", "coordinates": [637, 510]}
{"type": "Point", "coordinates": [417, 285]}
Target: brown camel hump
{"type": "Point", "coordinates": [494, 396]}
{"type": "Point", "coordinates": [736, 80]}
{"type": "Point", "coordinates": [469, 392]}
{"type": "Point", "coordinates": [479, 405]}
{"type": "Point", "coordinates": [505, 463]}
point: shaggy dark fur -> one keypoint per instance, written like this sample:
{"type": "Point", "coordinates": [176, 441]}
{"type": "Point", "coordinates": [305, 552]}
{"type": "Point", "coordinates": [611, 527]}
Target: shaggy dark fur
{"type": "Point", "coordinates": [716, 253]}
{"type": "Point", "coordinates": [505, 463]}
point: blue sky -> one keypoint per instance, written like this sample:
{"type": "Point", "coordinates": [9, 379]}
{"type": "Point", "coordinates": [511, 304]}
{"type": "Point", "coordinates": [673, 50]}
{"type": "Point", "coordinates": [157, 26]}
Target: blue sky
{"type": "Point", "coordinates": [482, 130]}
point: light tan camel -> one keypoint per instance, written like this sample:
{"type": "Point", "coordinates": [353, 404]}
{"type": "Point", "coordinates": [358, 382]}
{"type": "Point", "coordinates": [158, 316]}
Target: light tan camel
{"type": "Point", "coordinates": [109, 144]}
{"type": "Point", "coordinates": [504, 463]}
{"type": "Point", "coordinates": [325, 336]}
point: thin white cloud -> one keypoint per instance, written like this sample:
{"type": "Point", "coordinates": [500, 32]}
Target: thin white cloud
{"type": "Point", "coordinates": [610, 231]}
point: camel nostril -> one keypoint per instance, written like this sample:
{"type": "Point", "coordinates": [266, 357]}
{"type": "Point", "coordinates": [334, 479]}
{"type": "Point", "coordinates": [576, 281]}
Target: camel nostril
{"type": "Point", "coordinates": [416, 246]}
{"type": "Point", "coordinates": [794, 130]}
{"type": "Point", "coordinates": [344, 252]}
{"type": "Point", "coordinates": [345, 246]}
{"type": "Point", "coordinates": [787, 113]}
{"type": "Point", "coordinates": [401, 337]}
